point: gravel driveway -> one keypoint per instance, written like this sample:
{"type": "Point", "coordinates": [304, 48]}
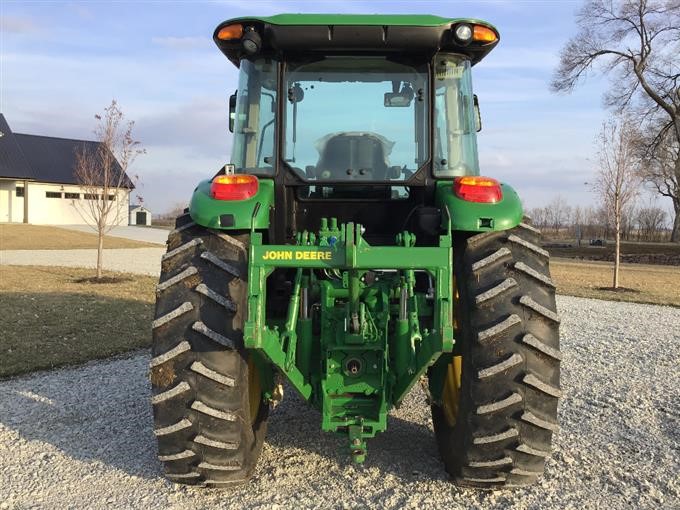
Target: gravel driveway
{"type": "Point", "coordinates": [129, 260]}
{"type": "Point", "coordinates": [81, 437]}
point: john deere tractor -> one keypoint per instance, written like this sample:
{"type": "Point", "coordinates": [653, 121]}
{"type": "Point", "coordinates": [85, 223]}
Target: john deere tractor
{"type": "Point", "coordinates": [350, 251]}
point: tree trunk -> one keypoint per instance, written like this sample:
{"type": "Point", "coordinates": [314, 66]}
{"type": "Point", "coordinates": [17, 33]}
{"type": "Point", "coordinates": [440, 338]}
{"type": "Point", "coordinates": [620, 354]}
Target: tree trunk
{"type": "Point", "coordinates": [100, 250]}
{"type": "Point", "coordinates": [617, 250]}
{"type": "Point", "coordinates": [675, 233]}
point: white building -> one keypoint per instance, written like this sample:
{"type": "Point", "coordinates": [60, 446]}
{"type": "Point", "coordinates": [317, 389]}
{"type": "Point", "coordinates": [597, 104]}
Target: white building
{"type": "Point", "coordinates": [139, 215]}
{"type": "Point", "coordinates": [37, 184]}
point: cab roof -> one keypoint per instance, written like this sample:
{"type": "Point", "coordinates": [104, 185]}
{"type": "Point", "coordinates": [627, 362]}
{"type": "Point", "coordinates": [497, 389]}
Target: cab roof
{"type": "Point", "coordinates": [415, 34]}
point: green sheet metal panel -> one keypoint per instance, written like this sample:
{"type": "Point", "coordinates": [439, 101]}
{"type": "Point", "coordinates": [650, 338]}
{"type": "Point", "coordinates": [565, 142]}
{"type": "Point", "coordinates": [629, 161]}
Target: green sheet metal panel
{"type": "Point", "coordinates": [419, 20]}
{"type": "Point", "coordinates": [479, 217]}
{"type": "Point", "coordinates": [206, 211]}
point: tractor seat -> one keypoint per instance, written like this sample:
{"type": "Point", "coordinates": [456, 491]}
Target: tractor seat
{"type": "Point", "coordinates": [352, 156]}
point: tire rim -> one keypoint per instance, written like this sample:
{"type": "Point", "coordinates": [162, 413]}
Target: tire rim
{"type": "Point", "coordinates": [451, 393]}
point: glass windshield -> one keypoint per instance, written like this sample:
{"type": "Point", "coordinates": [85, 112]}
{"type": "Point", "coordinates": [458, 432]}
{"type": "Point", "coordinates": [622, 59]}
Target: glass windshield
{"type": "Point", "coordinates": [356, 118]}
{"type": "Point", "coordinates": [455, 136]}
{"type": "Point", "coordinates": [253, 150]}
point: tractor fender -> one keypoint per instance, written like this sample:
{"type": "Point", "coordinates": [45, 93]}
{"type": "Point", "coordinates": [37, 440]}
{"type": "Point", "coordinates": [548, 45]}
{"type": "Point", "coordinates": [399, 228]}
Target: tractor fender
{"type": "Point", "coordinates": [479, 217]}
{"type": "Point", "coordinates": [231, 214]}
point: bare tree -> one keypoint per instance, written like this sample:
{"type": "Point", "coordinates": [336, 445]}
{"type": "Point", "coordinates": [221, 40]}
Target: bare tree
{"type": "Point", "coordinates": [590, 223]}
{"type": "Point", "coordinates": [651, 221]}
{"type": "Point", "coordinates": [636, 43]}
{"type": "Point", "coordinates": [101, 170]}
{"type": "Point", "coordinates": [617, 180]}
{"type": "Point", "coordinates": [538, 217]}
{"type": "Point", "coordinates": [559, 213]}
{"type": "Point", "coordinates": [168, 217]}
{"type": "Point", "coordinates": [628, 215]}
{"type": "Point", "coordinates": [577, 223]}
{"type": "Point", "coordinates": [660, 170]}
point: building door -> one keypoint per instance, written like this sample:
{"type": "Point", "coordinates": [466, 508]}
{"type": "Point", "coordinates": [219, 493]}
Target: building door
{"type": "Point", "coordinates": [140, 218]}
{"type": "Point", "coordinates": [5, 202]}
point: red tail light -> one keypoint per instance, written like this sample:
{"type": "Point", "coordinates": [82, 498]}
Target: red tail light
{"type": "Point", "coordinates": [474, 188]}
{"type": "Point", "coordinates": [234, 187]}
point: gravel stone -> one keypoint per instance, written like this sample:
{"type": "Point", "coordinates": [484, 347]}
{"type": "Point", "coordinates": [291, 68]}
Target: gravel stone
{"type": "Point", "coordinates": [82, 437]}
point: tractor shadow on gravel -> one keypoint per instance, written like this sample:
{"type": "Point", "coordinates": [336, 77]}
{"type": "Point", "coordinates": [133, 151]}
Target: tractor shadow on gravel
{"type": "Point", "coordinates": [406, 450]}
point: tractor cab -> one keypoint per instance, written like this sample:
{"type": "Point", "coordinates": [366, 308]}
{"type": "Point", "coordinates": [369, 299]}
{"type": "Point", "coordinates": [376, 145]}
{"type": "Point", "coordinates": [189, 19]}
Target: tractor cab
{"type": "Point", "coordinates": [362, 108]}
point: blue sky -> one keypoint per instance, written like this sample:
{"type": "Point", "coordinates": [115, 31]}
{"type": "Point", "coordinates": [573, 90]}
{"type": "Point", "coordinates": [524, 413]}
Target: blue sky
{"type": "Point", "coordinates": [62, 62]}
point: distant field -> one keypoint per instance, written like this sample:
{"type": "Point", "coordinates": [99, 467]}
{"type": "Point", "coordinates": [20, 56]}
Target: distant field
{"type": "Point", "coordinates": [648, 284]}
{"type": "Point", "coordinates": [42, 237]}
{"type": "Point", "coordinates": [645, 253]}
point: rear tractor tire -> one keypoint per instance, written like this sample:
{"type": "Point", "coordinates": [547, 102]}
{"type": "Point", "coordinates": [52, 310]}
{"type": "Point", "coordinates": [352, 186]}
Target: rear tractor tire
{"type": "Point", "coordinates": [209, 417]}
{"type": "Point", "coordinates": [499, 401]}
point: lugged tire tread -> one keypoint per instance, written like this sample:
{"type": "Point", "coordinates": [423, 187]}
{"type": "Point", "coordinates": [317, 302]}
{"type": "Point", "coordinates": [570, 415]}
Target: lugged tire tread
{"type": "Point", "coordinates": [199, 368]}
{"type": "Point", "coordinates": [176, 456]}
{"type": "Point", "coordinates": [172, 315]}
{"type": "Point", "coordinates": [200, 327]}
{"type": "Point", "coordinates": [539, 309]}
{"type": "Point", "coordinates": [179, 349]}
{"type": "Point", "coordinates": [514, 359]}
{"type": "Point", "coordinates": [173, 392]}
{"type": "Point", "coordinates": [524, 448]}
{"type": "Point", "coordinates": [502, 436]}
{"type": "Point", "coordinates": [206, 291]}
{"type": "Point", "coordinates": [497, 256]}
{"type": "Point", "coordinates": [189, 271]}
{"type": "Point", "coordinates": [537, 275]}
{"type": "Point", "coordinates": [535, 382]}
{"type": "Point", "coordinates": [496, 291]}
{"type": "Point", "coordinates": [541, 346]}
{"type": "Point", "coordinates": [182, 248]}
{"type": "Point", "coordinates": [215, 444]}
{"type": "Point", "coordinates": [509, 344]}
{"type": "Point", "coordinates": [171, 429]}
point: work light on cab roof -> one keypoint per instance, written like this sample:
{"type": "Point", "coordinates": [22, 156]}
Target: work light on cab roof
{"type": "Point", "coordinates": [310, 32]}
{"type": "Point", "coordinates": [352, 248]}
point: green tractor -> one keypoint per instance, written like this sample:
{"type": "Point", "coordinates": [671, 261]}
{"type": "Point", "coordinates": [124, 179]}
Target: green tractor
{"type": "Point", "coordinates": [352, 250]}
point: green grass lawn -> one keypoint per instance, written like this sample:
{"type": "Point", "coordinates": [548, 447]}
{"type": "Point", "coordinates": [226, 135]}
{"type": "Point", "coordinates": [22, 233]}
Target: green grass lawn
{"type": "Point", "coordinates": [641, 283]}
{"type": "Point", "coordinates": [17, 236]}
{"type": "Point", "coordinates": [49, 319]}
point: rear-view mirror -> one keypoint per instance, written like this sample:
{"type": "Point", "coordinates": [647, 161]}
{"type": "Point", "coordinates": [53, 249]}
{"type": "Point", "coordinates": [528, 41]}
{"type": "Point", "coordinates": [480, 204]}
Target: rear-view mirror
{"type": "Point", "coordinates": [232, 111]}
{"type": "Point", "coordinates": [478, 115]}
{"type": "Point", "coordinates": [398, 99]}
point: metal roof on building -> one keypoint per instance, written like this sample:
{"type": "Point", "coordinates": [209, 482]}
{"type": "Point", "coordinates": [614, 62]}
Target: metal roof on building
{"type": "Point", "coordinates": [43, 158]}
{"type": "Point", "coordinates": [13, 163]}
